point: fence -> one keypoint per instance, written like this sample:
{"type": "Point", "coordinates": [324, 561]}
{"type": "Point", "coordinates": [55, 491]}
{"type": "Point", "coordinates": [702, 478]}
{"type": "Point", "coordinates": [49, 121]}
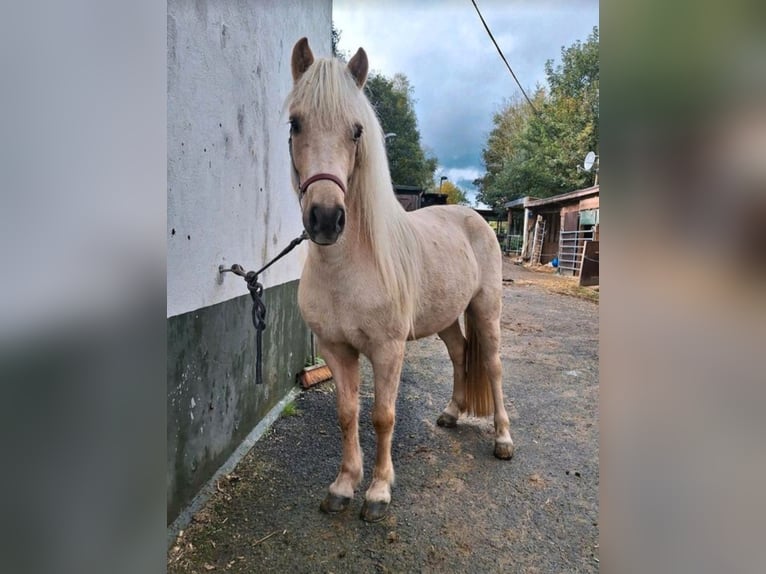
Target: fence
{"type": "Point", "coordinates": [512, 244]}
{"type": "Point", "coordinates": [571, 244]}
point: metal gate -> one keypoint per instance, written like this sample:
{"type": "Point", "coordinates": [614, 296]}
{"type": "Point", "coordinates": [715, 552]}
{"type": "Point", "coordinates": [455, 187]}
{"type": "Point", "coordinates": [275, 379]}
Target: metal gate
{"type": "Point", "coordinates": [513, 244]}
{"type": "Point", "coordinates": [571, 245]}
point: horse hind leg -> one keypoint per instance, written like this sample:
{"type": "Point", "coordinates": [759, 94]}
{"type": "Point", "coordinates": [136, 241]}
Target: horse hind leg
{"type": "Point", "coordinates": [484, 377]}
{"type": "Point", "coordinates": [455, 342]}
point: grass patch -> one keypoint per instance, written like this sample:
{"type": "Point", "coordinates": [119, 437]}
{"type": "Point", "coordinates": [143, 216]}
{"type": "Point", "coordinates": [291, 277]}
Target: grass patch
{"type": "Point", "coordinates": [313, 363]}
{"type": "Point", "coordinates": [290, 410]}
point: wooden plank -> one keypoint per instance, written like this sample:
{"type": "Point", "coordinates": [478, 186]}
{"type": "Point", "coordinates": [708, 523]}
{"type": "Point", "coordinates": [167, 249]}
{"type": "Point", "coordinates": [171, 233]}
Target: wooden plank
{"type": "Point", "coordinates": [589, 203]}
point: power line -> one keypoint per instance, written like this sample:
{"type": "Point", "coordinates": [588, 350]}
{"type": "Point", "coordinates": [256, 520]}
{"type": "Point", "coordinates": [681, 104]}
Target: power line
{"type": "Point", "coordinates": [499, 51]}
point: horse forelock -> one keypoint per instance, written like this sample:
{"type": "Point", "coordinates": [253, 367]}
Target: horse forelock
{"type": "Point", "coordinates": [328, 92]}
{"type": "Point", "coordinates": [325, 91]}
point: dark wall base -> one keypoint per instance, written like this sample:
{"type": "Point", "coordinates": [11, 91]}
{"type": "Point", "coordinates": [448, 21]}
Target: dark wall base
{"type": "Point", "coordinates": [213, 401]}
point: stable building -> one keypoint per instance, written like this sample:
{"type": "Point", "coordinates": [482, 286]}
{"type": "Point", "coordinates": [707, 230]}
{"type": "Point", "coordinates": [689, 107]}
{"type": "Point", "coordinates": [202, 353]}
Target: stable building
{"type": "Point", "coordinates": [555, 228]}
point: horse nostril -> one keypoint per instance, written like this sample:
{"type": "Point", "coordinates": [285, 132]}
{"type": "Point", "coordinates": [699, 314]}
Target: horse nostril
{"type": "Point", "coordinates": [313, 222]}
{"type": "Point", "coordinates": [326, 221]}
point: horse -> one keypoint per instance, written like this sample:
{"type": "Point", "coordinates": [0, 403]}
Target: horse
{"type": "Point", "coordinates": [377, 276]}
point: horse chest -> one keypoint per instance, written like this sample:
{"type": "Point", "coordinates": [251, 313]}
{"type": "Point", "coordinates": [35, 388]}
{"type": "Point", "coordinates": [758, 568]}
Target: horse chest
{"type": "Point", "coordinates": [341, 311]}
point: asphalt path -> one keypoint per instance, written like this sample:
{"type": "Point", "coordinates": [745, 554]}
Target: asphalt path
{"type": "Point", "coordinates": [455, 507]}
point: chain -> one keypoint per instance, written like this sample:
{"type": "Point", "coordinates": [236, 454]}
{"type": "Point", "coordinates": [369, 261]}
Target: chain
{"type": "Point", "coordinates": [256, 294]}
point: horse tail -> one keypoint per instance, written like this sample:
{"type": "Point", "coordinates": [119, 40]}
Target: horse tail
{"type": "Point", "coordinates": [479, 400]}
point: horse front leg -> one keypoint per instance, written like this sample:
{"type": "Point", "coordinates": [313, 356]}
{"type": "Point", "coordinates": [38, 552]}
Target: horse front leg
{"type": "Point", "coordinates": [344, 364]}
{"type": "Point", "coordinates": [387, 368]}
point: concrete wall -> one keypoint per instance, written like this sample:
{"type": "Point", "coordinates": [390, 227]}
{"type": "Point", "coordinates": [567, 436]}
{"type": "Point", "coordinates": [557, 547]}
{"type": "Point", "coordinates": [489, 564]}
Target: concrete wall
{"type": "Point", "coordinates": [229, 201]}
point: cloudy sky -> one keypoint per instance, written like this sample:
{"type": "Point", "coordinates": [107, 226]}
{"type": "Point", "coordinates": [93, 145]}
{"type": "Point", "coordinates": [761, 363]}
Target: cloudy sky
{"type": "Point", "coordinates": [458, 76]}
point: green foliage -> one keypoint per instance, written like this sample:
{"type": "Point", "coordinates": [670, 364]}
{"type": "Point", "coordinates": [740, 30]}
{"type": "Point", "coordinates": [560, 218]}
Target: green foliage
{"type": "Point", "coordinates": [290, 410]}
{"type": "Point", "coordinates": [336, 52]}
{"type": "Point", "coordinates": [393, 101]}
{"type": "Point", "coordinates": [538, 155]}
{"type": "Point", "coordinates": [311, 362]}
{"type": "Point", "coordinates": [455, 195]}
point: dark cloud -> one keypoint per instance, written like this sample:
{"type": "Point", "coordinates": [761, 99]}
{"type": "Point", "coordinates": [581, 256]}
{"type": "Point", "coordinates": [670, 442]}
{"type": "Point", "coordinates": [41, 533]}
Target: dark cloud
{"type": "Point", "coordinates": [458, 77]}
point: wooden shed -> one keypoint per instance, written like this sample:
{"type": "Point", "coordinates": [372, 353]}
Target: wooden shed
{"type": "Point", "coordinates": [557, 227]}
{"type": "Point", "coordinates": [413, 197]}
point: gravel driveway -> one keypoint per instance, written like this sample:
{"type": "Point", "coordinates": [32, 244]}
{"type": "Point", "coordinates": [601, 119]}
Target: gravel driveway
{"type": "Point", "coordinates": [455, 508]}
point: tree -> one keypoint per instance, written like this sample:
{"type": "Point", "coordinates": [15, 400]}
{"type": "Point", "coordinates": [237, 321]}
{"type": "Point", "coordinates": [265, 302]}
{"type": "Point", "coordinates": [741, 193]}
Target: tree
{"type": "Point", "coordinates": [393, 101]}
{"type": "Point", "coordinates": [336, 51]}
{"type": "Point", "coordinates": [537, 154]}
{"type": "Point", "coordinates": [505, 155]}
{"type": "Point", "coordinates": [455, 195]}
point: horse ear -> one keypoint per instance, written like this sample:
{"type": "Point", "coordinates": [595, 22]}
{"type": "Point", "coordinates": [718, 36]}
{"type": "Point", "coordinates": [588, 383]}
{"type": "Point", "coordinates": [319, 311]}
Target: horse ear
{"type": "Point", "coordinates": [358, 66]}
{"type": "Point", "coordinates": [302, 58]}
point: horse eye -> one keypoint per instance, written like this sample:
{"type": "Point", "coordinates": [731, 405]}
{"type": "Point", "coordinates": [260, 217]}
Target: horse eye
{"type": "Point", "coordinates": [357, 132]}
{"type": "Point", "coordinates": [295, 125]}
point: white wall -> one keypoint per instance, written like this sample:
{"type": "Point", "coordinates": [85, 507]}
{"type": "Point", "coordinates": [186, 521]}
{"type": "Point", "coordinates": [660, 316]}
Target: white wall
{"type": "Point", "coordinates": [230, 199]}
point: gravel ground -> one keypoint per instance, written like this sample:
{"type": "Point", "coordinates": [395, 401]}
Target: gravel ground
{"type": "Point", "coordinates": [455, 507]}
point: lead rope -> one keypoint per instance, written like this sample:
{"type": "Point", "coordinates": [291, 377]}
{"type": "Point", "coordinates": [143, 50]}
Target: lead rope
{"type": "Point", "coordinates": [256, 293]}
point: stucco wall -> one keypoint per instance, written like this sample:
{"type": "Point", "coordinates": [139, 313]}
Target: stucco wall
{"type": "Point", "coordinates": [229, 201]}
{"type": "Point", "coordinates": [229, 193]}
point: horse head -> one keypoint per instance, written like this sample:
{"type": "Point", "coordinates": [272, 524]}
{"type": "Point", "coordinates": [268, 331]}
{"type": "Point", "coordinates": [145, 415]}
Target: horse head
{"type": "Point", "coordinates": [325, 135]}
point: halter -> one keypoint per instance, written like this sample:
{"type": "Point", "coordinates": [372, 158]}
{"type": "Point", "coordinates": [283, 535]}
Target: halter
{"type": "Point", "coordinates": [303, 187]}
{"type": "Point", "coordinates": [318, 177]}
{"type": "Point", "coordinates": [314, 178]}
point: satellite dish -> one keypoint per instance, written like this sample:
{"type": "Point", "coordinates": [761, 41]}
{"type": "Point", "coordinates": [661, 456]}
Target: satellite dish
{"type": "Point", "coordinates": [590, 158]}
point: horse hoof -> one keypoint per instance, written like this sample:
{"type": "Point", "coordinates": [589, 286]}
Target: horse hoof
{"type": "Point", "coordinates": [446, 420]}
{"type": "Point", "coordinates": [374, 511]}
{"type": "Point", "coordinates": [504, 450]}
{"type": "Point", "coordinates": [333, 504]}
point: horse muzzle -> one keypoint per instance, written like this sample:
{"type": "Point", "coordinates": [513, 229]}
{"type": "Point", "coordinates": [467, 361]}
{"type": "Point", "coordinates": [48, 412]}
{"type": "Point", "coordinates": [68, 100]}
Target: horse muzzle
{"type": "Point", "coordinates": [324, 224]}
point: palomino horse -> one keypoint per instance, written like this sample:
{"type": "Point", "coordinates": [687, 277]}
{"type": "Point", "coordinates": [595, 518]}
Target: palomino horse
{"type": "Point", "coordinates": [376, 275]}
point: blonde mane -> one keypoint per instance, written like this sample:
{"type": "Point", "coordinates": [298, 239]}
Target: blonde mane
{"type": "Point", "coordinates": [330, 94]}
